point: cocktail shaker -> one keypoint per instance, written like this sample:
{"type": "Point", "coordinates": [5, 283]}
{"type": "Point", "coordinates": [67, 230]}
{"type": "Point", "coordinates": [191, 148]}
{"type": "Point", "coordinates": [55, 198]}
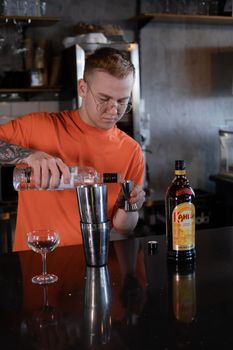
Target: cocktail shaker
{"type": "Point", "coordinates": [92, 202]}
{"type": "Point", "coordinates": [96, 242]}
{"type": "Point", "coordinates": [95, 226]}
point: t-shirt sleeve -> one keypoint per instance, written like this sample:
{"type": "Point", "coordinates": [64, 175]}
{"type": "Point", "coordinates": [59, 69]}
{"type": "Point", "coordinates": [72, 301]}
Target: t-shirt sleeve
{"type": "Point", "coordinates": [17, 131]}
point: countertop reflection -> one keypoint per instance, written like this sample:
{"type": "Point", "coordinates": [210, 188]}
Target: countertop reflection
{"type": "Point", "coordinates": [138, 301]}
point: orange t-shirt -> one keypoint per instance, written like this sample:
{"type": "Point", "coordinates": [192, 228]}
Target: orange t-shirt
{"type": "Point", "coordinates": [65, 135]}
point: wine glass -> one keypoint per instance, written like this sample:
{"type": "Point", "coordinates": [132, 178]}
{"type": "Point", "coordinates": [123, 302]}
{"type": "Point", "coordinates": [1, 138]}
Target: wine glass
{"type": "Point", "coordinates": [43, 242]}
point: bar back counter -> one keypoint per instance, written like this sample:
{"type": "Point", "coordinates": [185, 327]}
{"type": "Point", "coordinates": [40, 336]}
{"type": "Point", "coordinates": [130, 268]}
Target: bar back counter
{"type": "Point", "coordinates": [138, 301]}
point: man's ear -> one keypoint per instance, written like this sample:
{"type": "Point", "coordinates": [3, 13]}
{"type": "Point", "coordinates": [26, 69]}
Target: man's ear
{"type": "Point", "coordinates": [82, 87]}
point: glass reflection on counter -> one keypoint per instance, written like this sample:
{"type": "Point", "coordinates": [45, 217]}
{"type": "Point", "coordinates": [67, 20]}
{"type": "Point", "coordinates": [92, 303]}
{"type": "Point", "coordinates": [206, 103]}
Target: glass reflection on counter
{"type": "Point", "coordinates": [46, 328]}
{"type": "Point", "coordinates": [44, 325]}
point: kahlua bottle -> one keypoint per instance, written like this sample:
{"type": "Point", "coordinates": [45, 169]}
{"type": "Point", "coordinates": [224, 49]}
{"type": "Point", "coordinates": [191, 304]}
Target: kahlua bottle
{"type": "Point", "coordinates": [180, 217]}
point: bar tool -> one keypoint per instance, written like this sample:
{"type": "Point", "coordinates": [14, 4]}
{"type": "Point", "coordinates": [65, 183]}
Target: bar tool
{"type": "Point", "coordinates": [94, 223]}
{"type": "Point", "coordinates": [127, 187]}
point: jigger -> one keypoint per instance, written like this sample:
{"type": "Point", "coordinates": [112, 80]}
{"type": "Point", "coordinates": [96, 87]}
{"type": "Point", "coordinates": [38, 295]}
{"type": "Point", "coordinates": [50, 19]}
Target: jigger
{"type": "Point", "coordinates": [127, 187]}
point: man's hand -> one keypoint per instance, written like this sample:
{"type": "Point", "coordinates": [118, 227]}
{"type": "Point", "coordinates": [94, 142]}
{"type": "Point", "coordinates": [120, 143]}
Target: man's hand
{"type": "Point", "coordinates": [137, 195]}
{"type": "Point", "coordinates": [125, 222]}
{"type": "Point", "coordinates": [47, 169]}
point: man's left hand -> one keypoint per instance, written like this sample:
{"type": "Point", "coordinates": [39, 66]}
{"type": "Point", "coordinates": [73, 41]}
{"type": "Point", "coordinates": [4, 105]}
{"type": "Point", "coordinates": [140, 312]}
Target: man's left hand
{"type": "Point", "coordinates": [137, 195]}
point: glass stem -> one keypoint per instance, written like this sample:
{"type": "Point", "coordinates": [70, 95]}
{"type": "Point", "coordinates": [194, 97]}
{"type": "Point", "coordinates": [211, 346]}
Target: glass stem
{"type": "Point", "coordinates": [45, 290]}
{"type": "Point", "coordinates": [44, 263]}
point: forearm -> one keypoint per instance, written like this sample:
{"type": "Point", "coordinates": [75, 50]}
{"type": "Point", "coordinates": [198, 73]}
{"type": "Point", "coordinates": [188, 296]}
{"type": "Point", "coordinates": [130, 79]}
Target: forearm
{"type": "Point", "coordinates": [47, 169]}
{"type": "Point", "coordinates": [125, 222]}
{"type": "Point", "coordinates": [13, 154]}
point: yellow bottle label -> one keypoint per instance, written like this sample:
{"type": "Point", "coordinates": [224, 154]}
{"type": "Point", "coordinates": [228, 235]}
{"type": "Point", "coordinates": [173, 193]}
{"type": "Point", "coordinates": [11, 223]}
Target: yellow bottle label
{"type": "Point", "coordinates": [180, 172]}
{"type": "Point", "coordinates": [183, 227]}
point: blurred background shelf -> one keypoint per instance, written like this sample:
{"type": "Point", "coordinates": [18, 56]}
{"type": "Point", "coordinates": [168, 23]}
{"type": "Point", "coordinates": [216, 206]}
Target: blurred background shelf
{"type": "Point", "coordinates": [144, 18]}
{"type": "Point", "coordinates": [31, 89]}
{"type": "Point", "coordinates": [29, 20]}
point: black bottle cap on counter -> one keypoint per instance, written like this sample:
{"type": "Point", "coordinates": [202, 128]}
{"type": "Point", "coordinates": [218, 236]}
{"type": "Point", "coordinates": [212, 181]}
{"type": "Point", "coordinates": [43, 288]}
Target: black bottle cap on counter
{"type": "Point", "coordinates": [180, 165]}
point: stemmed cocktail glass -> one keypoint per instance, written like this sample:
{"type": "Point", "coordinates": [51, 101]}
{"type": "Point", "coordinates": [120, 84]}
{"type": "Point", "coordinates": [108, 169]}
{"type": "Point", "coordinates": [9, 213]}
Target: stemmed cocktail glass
{"type": "Point", "coordinates": [43, 242]}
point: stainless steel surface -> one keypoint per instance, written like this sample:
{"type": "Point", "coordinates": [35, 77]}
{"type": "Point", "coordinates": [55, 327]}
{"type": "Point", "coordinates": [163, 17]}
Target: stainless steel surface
{"type": "Point", "coordinates": [97, 306]}
{"type": "Point", "coordinates": [127, 187]}
{"type": "Point", "coordinates": [92, 201]}
{"type": "Point", "coordinates": [96, 242]}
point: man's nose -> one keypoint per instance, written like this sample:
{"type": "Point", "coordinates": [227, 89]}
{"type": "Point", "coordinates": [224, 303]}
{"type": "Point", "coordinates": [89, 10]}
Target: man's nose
{"type": "Point", "coordinates": [113, 104]}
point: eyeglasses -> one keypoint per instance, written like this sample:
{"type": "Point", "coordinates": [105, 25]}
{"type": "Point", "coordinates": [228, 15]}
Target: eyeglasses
{"type": "Point", "coordinates": [104, 103]}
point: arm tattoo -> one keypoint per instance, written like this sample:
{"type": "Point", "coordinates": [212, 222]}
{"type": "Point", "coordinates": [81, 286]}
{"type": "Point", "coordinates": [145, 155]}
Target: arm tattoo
{"type": "Point", "coordinates": [12, 154]}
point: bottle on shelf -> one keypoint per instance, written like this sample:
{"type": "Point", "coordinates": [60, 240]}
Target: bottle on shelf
{"type": "Point", "coordinates": [23, 178]}
{"type": "Point", "coordinates": [203, 7]}
{"type": "Point", "coordinates": [180, 217]}
{"type": "Point", "coordinates": [41, 70]}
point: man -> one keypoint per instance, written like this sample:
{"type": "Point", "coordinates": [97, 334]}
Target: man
{"type": "Point", "coordinates": [50, 142]}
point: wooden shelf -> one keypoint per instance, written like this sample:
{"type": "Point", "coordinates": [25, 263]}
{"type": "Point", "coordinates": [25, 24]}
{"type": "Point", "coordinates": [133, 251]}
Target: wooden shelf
{"type": "Point", "coordinates": [31, 89]}
{"type": "Point", "coordinates": [25, 22]}
{"type": "Point", "coordinates": [147, 17]}
{"type": "Point", "coordinates": [29, 20]}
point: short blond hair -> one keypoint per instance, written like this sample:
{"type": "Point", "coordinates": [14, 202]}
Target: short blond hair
{"type": "Point", "coordinates": [109, 60]}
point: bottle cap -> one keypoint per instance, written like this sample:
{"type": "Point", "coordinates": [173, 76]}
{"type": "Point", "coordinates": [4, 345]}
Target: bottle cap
{"type": "Point", "coordinates": [152, 247]}
{"type": "Point", "coordinates": [180, 165]}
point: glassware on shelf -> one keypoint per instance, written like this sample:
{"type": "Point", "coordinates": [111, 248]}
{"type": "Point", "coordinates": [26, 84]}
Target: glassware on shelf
{"type": "Point", "coordinates": [2, 8]}
{"type": "Point", "coordinates": [15, 8]}
{"type": "Point", "coordinates": [37, 8]}
{"type": "Point", "coordinates": [34, 8]}
{"type": "Point", "coordinates": [158, 6]}
{"type": "Point", "coordinates": [9, 7]}
{"type": "Point", "coordinates": [170, 6]}
{"type": "Point", "coordinates": [187, 7]}
{"type": "Point", "coordinates": [2, 39]}
{"type": "Point", "coordinates": [192, 7]}
{"type": "Point", "coordinates": [182, 7]}
{"type": "Point", "coordinates": [214, 7]}
{"type": "Point", "coordinates": [203, 7]}
{"type": "Point", "coordinates": [22, 7]}
{"type": "Point", "coordinates": [43, 8]}
{"type": "Point", "coordinates": [43, 242]}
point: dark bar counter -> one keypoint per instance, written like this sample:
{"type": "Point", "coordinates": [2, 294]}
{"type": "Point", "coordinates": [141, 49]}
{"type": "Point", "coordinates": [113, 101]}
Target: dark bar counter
{"type": "Point", "coordinates": [139, 301]}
